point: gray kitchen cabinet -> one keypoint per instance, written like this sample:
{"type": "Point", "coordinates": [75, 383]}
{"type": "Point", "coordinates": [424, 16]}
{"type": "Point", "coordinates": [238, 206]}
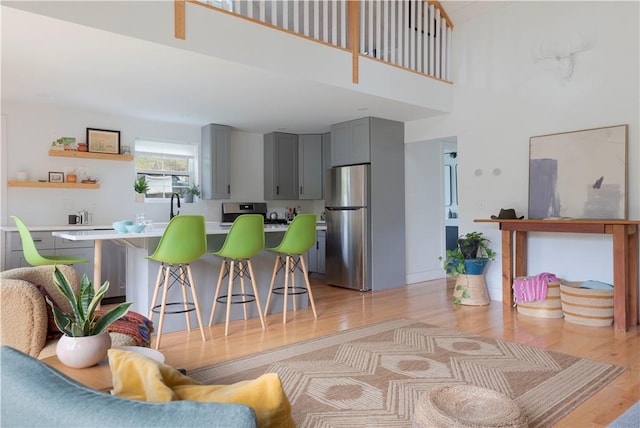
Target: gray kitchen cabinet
{"type": "Point", "coordinates": [310, 167]}
{"type": "Point", "coordinates": [316, 255]}
{"type": "Point", "coordinates": [215, 162]}
{"type": "Point", "coordinates": [326, 157]}
{"type": "Point", "coordinates": [385, 257]}
{"type": "Point", "coordinates": [350, 142]}
{"type": "Point", "coordinates": [280, 166]}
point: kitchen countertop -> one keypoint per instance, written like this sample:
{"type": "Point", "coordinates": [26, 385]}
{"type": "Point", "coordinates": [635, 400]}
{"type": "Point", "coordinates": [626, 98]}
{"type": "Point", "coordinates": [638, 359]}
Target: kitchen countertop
{"type": "Point", "coordinates": [85, 233]}
{"type": "Point", "coordinates": [106, 231]}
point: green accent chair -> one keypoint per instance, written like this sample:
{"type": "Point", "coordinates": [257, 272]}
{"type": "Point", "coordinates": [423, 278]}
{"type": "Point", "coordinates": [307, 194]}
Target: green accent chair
{"type": "Point", "coordinates": [297, 240]}
{"type": "Point", "coordinates": [244, 240]}
{"type": "Point", "coordinates": [184, 240]}
{"type": "Point", "coordinates": [33, 257]}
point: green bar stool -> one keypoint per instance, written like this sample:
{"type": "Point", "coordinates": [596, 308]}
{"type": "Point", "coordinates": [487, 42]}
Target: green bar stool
{"type": "Point", "coordinates": [299, 237]}
{"type": "Point", "coordinates": [244, 240]}
{"type": "Point", "coordinates": [183, 241]}
{"type": "Point", "coordinates": [33, 257]}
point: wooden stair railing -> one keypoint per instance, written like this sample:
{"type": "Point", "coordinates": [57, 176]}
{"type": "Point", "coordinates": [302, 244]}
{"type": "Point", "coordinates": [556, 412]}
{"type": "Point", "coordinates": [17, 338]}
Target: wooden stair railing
{"type": "Point", "coordinates": [414, 35]}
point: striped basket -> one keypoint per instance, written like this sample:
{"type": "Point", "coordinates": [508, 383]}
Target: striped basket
{"type": "Point", "coordinates": [549, 308]}
{"type": "Point", "coordinates": [476, 288]}
{"type": "Point", "coordinates": [586, 306]}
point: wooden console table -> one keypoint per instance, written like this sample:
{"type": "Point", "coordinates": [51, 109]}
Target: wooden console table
{"type": "Point", "coordinates": [625, 258]}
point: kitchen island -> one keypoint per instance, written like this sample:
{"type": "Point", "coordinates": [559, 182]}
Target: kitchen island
{"type": "Point", "coordinates": [141, 272]}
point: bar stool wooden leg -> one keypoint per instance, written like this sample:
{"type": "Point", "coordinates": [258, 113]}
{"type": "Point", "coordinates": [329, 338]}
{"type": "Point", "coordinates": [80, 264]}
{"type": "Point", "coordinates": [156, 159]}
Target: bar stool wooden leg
{"type": "Point", "coordinates": [294, 304]}
{"type": "Point", "coordinates": [273, 281]}
{"type": "Point", "coordinates": [196, 303]}
{"type": "Point", "coordinates": [305, 273]}
{"type": "Point", "coordinates": [230, 290]}
{"type": "Point", "coordinates": [183, 286]}
{"type": "Point", "coordinates": [286, 289]}
{"type": "Point", "coordinates": [155, 291]}
{"type": "Point", "coordinates": [223, 267]}
{"type": "Point", "coordinates": [241, 270]}
{"type": "Point", "coordinates": [163, 305]}
{"type": "Point", "coordinates": [255, 291]}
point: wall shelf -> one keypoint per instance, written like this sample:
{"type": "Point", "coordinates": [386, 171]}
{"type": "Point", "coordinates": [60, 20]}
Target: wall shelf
{"type": "Point", "coordinates": [89, 155]}
{"type": "Point", "coordinates": [53, 185]}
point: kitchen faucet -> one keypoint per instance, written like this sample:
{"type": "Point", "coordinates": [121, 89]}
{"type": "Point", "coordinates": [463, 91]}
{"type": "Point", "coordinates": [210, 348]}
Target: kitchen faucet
{"type": "Point", "coordinates": [172, 215]}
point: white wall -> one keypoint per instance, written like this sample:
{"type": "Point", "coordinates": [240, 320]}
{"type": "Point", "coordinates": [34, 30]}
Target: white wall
{"type": "Point", "coordinates": [501, 98]}
{"type": "Point", "coordinates": [31, 129]}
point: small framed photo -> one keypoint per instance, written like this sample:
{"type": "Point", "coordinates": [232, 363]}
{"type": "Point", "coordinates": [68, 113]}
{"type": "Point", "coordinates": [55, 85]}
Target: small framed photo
{"type": "Point", "coordinates": [103, 141]}
{"type": "Point", "coordinates": [56, 177]}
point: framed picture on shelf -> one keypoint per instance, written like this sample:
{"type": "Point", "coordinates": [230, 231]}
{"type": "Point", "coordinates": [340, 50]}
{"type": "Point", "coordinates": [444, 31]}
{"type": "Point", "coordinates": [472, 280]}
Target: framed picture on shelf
{"type": "Point", "coordinates": [103, 141]}
{"type": "Point", "coordinates": [56, 177]}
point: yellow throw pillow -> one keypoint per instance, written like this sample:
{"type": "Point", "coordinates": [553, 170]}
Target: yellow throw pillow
{"type": "Point", "coordinates": [138, 377]}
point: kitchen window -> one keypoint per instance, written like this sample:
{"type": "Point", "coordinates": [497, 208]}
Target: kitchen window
{"type": "Point", "coordinates": [169, 167]}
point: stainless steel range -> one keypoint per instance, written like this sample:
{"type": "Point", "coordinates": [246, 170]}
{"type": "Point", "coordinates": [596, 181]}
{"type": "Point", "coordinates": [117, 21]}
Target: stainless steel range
{"type": "Point", "coordinates": [231, 210]}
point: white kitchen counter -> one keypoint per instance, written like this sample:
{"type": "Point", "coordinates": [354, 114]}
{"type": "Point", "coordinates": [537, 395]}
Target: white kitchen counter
{"type": "Point", "coordinates": [156, 230]}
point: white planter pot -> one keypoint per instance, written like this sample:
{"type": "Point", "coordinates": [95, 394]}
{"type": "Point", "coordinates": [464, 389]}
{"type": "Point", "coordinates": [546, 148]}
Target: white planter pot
{"type": "Point", "coordinates": [81, 352]}
{"type": "Point", "coordinates": [139, 198]}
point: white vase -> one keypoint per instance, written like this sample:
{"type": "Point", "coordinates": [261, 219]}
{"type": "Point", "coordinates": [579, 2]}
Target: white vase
{"type": "Point", "coordinates": [81, 352]}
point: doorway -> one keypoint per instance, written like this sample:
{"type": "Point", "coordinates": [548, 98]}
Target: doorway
{"type": "Point", "coordinates": [451, 207]}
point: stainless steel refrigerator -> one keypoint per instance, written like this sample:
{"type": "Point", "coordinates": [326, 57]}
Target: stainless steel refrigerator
{"type": "Point", "coordinates": [348, 231]}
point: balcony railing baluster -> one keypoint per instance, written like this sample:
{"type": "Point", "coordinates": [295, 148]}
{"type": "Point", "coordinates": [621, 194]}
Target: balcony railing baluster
{"type": "Point", "coordinates": [411, 34]}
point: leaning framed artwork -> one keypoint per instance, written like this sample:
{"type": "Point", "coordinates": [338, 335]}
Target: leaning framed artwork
{"type": "Point", "coordinates": [103, 141]}
{"type": "Point", "coordinates": [579, 174]}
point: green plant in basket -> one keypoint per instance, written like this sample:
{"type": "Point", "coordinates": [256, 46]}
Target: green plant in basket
{"type": "Point", "coordinates": [472, 248]}
{"type": "Point", "coordinates": [83, 320]}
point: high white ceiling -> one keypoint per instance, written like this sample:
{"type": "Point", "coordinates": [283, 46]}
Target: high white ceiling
{"type": "Point", "coordinates": [46, 60]}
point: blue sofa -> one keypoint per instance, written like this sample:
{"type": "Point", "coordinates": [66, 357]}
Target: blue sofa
{"type": "Point", "coordinates": [36, 395]}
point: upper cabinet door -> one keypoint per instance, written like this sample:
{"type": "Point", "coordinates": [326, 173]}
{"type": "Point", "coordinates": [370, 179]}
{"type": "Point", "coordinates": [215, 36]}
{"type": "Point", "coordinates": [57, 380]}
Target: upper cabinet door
{"type": "Point", "coordinates": [350, 142]}
{"type": "Point", "coordinates": [310, 166]}
{"type": "Point", "coordinates": [280, 166]}
{"type": "Point", "coordinates": [215, 161]}
{"type": "Point", "coordinates": [326, 158]}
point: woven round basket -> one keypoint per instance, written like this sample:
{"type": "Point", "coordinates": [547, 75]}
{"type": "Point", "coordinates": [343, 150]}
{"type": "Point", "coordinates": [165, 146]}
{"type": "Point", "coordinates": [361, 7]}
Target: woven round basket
{"type": "Point", "coordinates": [586, 306]}
{"type": "Point", "coordinates": [475, 286]}
{"type": "Point", "coordinates": [467, 406]}
{"type": "Point", "coordinates": [549, 308]}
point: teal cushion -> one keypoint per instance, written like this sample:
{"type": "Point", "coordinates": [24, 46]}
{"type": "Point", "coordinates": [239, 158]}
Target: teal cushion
{"type": "Point", "coordinates": [36, 395]}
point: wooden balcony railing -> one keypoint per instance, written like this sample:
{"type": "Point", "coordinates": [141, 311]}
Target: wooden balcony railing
{"type": "Point", "coordinates": [412, 34]}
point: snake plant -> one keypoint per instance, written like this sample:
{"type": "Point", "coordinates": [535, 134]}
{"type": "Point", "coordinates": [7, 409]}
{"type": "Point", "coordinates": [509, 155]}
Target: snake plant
{"type": "Point", "coordinates": [83, 321]}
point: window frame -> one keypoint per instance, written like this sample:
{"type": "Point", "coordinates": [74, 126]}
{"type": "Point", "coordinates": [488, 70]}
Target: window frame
{"type": "Point", "coordinates": [168, 150]}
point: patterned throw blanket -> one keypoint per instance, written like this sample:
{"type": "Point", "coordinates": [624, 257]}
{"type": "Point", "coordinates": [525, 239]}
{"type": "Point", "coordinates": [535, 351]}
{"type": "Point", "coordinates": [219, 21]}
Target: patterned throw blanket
{"type": "Point", "coordinates": [132, 324]}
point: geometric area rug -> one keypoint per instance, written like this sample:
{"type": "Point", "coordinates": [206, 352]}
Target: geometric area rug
{"type": "Point", "coordinates": [372, 376]}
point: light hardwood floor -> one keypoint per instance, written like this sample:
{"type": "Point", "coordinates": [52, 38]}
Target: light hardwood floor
{"type": "Point", "coordinates": [339, 309]}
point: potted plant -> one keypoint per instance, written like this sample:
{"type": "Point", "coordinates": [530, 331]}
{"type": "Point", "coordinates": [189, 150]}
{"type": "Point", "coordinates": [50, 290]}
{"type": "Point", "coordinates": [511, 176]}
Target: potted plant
{"type": "Point", "coordinates": [468, 259]}
{"type": "Point", "coordinates": [85, 339]}
{"type": "Point", "coordinates": [190, 192]}
{"type": "Point", "coordinates": [141, 187]}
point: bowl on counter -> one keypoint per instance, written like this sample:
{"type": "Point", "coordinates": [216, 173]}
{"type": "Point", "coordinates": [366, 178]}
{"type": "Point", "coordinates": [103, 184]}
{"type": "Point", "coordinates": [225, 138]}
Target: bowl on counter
{"type": "Point", "coordinates": [135, 228]}
{"type": "Point", "coordinates": [121, 226]}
